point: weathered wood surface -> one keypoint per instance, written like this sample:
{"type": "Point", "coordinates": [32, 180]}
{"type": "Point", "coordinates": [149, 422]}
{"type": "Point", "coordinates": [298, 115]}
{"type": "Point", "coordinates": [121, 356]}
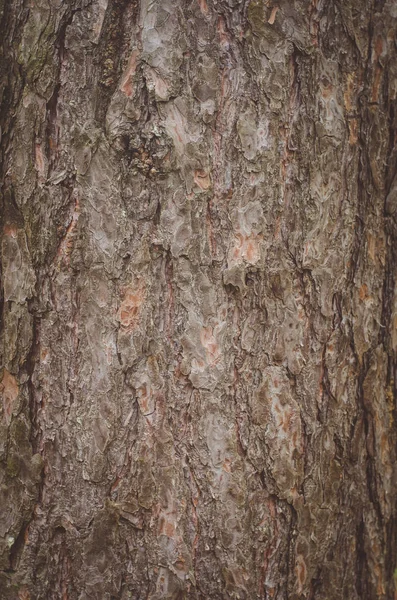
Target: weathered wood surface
{"type": "Point", "coordinates": [199, 299]}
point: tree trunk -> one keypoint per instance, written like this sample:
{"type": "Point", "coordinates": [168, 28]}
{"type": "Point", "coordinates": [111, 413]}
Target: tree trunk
{"type": "Point", "coordinates": [199, 202]}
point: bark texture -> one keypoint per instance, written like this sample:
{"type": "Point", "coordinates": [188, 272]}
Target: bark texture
{"type": "Point", "coordinates": [199, 204]}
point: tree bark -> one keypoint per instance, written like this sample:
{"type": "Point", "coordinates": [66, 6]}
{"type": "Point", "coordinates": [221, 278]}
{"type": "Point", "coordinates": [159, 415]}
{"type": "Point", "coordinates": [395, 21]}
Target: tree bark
{"type": "Point", "coordinates": [199, 300]}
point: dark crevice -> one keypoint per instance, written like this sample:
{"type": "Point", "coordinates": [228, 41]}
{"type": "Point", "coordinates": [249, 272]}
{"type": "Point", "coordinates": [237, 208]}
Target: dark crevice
{"type": "Point", "coordinates": [51, 134]}
{"type": "Point", "coordinates": [370, 471]}
{"type": "Point", "coordinates": [290, 557]}
{"type": "Point", "coordinates": [316, 584]}
{"type": "Point", "coordinates": [113, 44]}
{"type": "Point", "coordinates": [391, 551]}
{"type": "Point", "coordinates": [363, 584]}
{"type": "Point", "coordinates": [364, 172]}
{"type": "Point", "coordinates": [17, 548]}
{"type": "Point", "coordinates": [29, 367]}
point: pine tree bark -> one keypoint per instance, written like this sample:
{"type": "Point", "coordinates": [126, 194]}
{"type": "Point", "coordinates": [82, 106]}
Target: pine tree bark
{"type": "Point", "coordinates": [199, 301]}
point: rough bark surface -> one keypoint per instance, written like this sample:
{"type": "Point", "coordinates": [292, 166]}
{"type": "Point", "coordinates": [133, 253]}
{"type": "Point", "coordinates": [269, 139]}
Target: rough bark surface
{"type": "Point", "coordinates": [199, 300]}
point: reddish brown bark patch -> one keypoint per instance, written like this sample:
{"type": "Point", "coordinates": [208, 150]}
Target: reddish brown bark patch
{"type": "Point", "coordinates": [130, 307]}
{"type": "Point", "coordinates": [9, 391]}
{"type": "Point", "coordinates": [127, 80]}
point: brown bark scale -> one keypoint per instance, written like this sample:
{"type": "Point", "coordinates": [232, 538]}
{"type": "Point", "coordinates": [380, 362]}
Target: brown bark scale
{"type": "Point", "coordinates": [199, 300]}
